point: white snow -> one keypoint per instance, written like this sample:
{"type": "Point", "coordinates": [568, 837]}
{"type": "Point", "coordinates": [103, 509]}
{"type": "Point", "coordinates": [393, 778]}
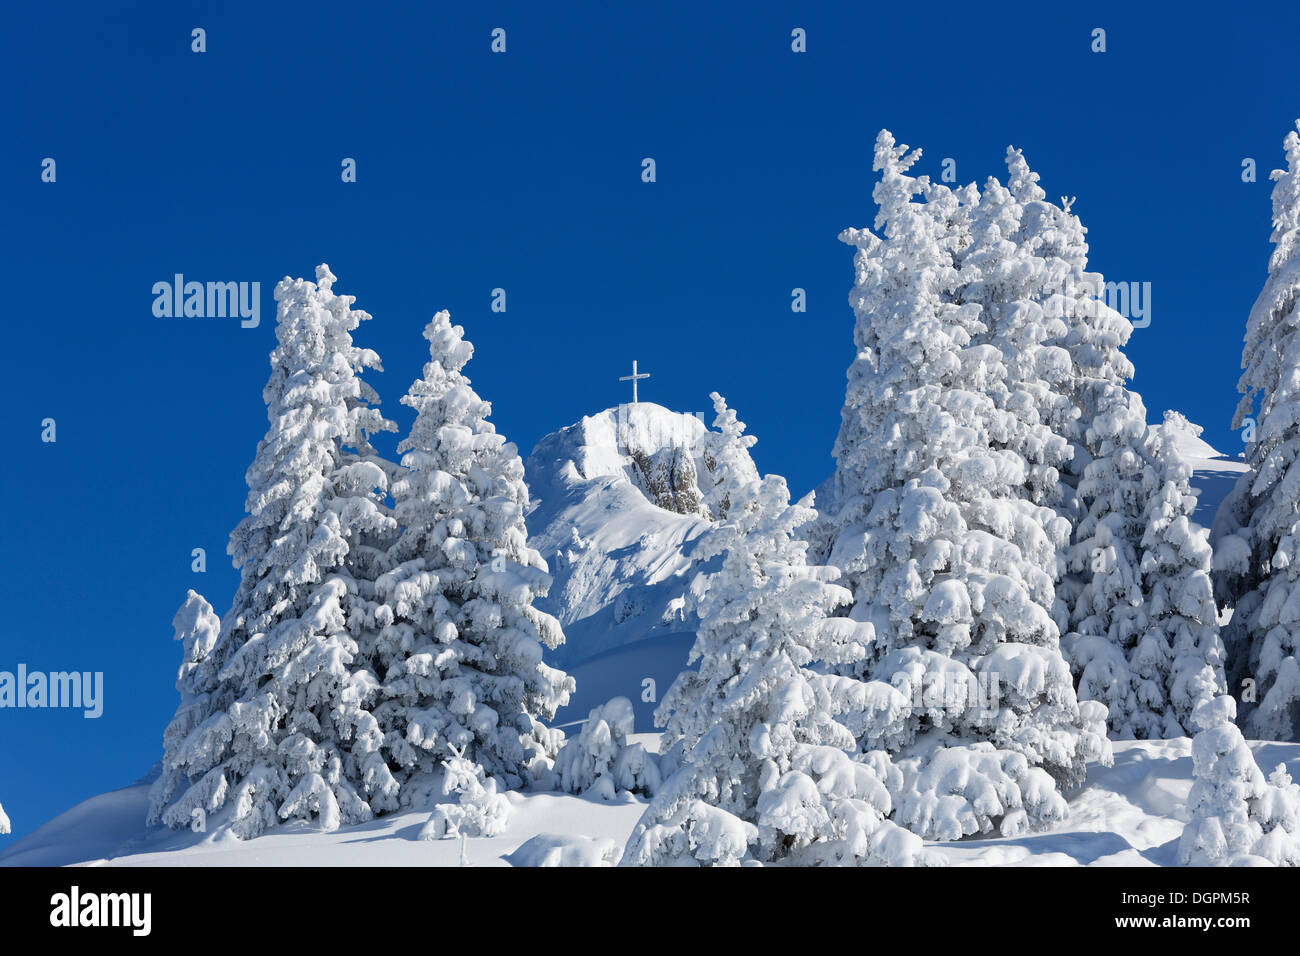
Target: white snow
{"type": "Point", "coordinates": [1213, 472]}
{"type": "Point", "coordinates": [1130, 814]}
{"type": "Point", "coordinates": [621, 563]}
{"type": "Point", "coordinates": [600, 533]}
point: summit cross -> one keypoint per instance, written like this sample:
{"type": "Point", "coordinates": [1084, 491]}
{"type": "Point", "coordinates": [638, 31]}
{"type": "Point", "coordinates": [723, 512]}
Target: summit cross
{"type": "Point", "coordinates": [633, 379]}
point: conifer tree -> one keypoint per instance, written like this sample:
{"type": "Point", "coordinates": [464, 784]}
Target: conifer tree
{"type": "Point", "coordinates": [460, 643]}
{"type": "Point", "coordinates": [197, 627]}
{"type": "Point", "coordinates": [763, 758]}
{"type": "Point", "coordinates": [1009, 281]}
{"type": "Point", "coordinates": [285, 731]}
{"type": "Point", "coordinates": [1257, 546]}
{"type": "Point", "coordinates": [599, 761]}
{"type": "Point", "coordinates": [944, 527]}
{"type": "Point", "coordinates": [1236, 815]}
{"type": "Point", "coordinates": [1134, 596]}
{"type": "Point", "coordinates": [726, 458]}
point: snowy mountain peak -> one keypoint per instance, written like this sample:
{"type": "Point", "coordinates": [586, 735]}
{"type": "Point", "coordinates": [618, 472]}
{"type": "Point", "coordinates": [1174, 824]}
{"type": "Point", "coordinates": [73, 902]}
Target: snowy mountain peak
{"type": "Point", "coordinates": [619, 502]}
{"type": "Point", "coordinates": [1187, 439]}
{"type": "Point", "coordinates": [653, 447]}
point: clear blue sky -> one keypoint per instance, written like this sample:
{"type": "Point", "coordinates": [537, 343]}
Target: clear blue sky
{"type": "Point", "coordinates": [522, 171]}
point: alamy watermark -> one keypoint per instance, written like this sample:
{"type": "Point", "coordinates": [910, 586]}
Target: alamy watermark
{"type": "Point", "coordinates": [959, 695]}
{"type": "Point", "coordinates": [70, 690]}
{"type": "Point", "coordinates": [76, 909]}
{"type": "Point", "coordinates": [208, 300]}
{"type": "Point", "coordinates": [1083, 297]}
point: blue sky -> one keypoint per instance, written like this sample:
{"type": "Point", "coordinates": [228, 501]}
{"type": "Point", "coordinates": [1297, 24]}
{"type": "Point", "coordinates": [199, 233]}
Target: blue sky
{"type": "Point", "coordinates": [522, 171]}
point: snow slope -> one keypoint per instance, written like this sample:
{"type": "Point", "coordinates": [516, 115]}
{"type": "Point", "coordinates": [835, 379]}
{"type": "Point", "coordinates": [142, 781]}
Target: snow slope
{"type": "Point", "coordinates": [109, 830]}
{"type": "Point", "coordinates": [616, 516]}
{"type": "Point", "coordinates": [1214, 473]}
{"type": "Point", "coordinates": [1130, 814]}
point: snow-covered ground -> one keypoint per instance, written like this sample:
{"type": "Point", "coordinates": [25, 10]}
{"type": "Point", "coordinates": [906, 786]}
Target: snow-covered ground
{"type": "Point", "coordinates": [109, 830]}
{"type": "Point", "coordinates": [1130, 814]}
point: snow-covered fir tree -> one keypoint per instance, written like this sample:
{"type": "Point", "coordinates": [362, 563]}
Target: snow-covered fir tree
{"type": "Point", "coordinates": [197, 628]}
{"type": "Point", "coordinates": [1008, 280]}
{"type": "Point", "coordinates": [758, 734]}
{"type": "Point", "coordinates": [1237, 816]}
{"type": "Point", "coordinates": [286, 731]}
{"type": "Point", "coordinates": [950, 556]}
{"type": "Point", "coordinates": [478, 810]}
{"type": "Point", "coordinates": [363, 479]}
{"type": "Point", "coordinates": [600, 762]}
{"type": "Point", "coordinates": [1135, 600]}
{"type": "Point", "coordinates": [1257, 533]}
{"type": "Point", "coordinates": [1051, 245]}
{"type": "Point", "coordinates": [726, 457]}
{"type": "Point", "coordinates": [460, 643]}
{"type": "Point", "coordinates": [1177, 662]}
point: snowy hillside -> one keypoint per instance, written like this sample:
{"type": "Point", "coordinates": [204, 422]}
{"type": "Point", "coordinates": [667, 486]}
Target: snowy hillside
{"type": "Point", "coordinates": [617, 513]}
{"type": "Point", "coordinates": [1214, 473]}
{"type": "Point", "coordinates": [1130, 814]}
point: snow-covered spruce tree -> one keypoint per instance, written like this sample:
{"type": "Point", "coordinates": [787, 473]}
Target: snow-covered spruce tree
{"type": "Point", "coordinates": [286, 732]}
{"type": "Point", "coordinates": [363, 479]}
{"type": "Point", "coordinates": [1236, 816]}
{"type": "Point", "coordinates": [1135, 601]}
{"type": "Point", "coordinates": [1177, 663]}
{"type": "Point", "coordinates": [949, 557]}
{"type": "Point", "coordinates": [1257, 533]}
{"type": "Point", "coordinates": [198, 628]}
{"type": "Point", "coordinates": [460, 643]}
{"type": "Point", "coordinates": [479, 809]}
{"type": "Point", "coordinates": [600, 762]}
{"type": "Point", "coordinates": [726, 458]}
{"type": "Point", "coordinates": [763, 766]}
{"type": "Point", "coordinates": [1008, 281]}
{"type": "Point", "coordinates": [1051, 243]}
